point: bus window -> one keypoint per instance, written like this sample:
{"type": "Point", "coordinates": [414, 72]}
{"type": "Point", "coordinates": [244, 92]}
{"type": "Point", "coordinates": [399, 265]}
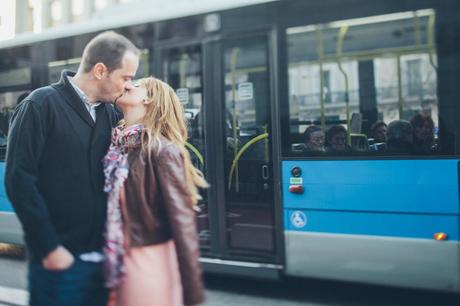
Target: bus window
{"type": "Point", "coordinates": [343, 70]}
{"type": "Point", "coordinates": [15, 67]}
{"type": "Point", "coordinates": [182, 69]}
{"type": "Point", "coordinates": [55, 68]}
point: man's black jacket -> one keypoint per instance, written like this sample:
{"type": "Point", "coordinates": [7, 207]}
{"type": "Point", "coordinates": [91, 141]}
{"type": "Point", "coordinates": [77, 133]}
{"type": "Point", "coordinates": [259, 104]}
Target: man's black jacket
{"type": "Point", "coordinates": [54, 174]}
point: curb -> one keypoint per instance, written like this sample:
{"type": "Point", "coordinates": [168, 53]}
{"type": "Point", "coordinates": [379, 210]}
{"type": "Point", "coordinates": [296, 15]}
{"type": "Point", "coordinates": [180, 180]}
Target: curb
{"type": "Point", "coordinates": [13, 297]}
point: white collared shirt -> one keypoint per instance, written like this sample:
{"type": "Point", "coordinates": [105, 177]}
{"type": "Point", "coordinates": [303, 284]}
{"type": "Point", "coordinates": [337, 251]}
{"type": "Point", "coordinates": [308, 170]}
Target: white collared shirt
{"type": "Point", "coordinates": [91, 107]}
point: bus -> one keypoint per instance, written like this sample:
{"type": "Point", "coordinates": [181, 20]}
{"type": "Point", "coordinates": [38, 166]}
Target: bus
{"type": "Point", "coordinates": [328, 130]}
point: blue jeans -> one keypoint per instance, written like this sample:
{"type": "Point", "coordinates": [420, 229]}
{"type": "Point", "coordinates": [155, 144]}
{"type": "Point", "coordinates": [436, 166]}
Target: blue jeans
{"type": "Point", "coordinates": [82, 284]}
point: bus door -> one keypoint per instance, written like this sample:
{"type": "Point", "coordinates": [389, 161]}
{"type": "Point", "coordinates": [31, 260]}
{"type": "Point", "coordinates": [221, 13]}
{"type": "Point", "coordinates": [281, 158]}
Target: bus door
{"type": "Point", "coordinates": [248, 215]}
{"type": "Point", "coordinates": [224, 87]}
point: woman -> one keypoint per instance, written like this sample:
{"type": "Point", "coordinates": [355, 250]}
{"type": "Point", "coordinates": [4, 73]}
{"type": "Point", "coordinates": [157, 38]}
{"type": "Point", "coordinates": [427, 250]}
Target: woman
{"type": "Point", "coordinates": [336, 139]}
{"type": "Point", "coordinates": [423, 132]}
{"type": "Point", "coordinates": [152, 189]}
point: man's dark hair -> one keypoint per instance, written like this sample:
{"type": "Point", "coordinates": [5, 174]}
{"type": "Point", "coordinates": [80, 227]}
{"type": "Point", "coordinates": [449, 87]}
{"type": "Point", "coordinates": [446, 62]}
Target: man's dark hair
{"type": "Point", "coordinates": [400, 130]}
{"type": "Point", "coordinates": [108, 48]}
{"type": "Point", "coordinates": [310, 130]}
{"type": "Point", "coordinates": [376, 125]}
{"type": "Point", "coordinates": [336, 129]}
{"type": "Point", "coordinates": [419, 120]}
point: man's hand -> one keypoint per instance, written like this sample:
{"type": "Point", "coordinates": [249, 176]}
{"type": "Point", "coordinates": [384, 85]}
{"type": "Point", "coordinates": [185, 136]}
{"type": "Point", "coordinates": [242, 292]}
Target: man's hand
{"type": "Point", "coordinates": [58, 259]}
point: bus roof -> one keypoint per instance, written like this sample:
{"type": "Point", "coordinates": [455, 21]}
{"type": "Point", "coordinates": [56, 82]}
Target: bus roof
{"type": "Point", "coordinates": [117, 16]}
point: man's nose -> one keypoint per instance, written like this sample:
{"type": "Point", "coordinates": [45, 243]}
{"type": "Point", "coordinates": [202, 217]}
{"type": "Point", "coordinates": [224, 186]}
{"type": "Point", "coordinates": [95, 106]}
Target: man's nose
{"type": "Point", "coordinates": [128, 86]}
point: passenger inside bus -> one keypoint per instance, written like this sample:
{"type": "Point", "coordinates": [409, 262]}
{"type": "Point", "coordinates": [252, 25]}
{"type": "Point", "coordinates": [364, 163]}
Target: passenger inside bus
{"type": "Point", "coordinates": [378, 136]}
{"type": "Point", "coordinates": [314, 139]}
{"type": "Point", "coordinates": [336, 139]}
{"type": "Point", "coordinates": [400, 139]}
{"type": "Point", "coordinates": [21, 98]}
{"type": "Point", "coordinates": [5, 115]}
{"type": "Point", "coordinates": [423, 134]}
{"type": "Point", "coordinates": [378, 132]}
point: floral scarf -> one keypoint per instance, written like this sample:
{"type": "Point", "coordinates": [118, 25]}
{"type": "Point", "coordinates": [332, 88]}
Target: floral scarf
{"type": "Point", "coordinates": [116, 171]}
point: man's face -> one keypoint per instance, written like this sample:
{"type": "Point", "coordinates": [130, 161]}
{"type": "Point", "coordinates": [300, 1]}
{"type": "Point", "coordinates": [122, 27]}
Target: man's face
{"type": "Point", "coordinates": [118, 81]}
{"type": "Point", "coordinates": [381, 134]}
{"type": "Point", "coordinates": [315, 142]}
{"type": "Point", "coordinates": [317, 139]}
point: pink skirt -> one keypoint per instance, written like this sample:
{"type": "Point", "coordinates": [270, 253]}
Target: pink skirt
{"type": "Point", "coordinates": [151, 278]}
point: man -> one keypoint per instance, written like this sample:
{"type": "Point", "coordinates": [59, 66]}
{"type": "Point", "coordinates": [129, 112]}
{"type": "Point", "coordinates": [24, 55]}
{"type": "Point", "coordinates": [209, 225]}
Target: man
{"type": "Point", "coordinates": [400, 137]}
{"type": "Point", "coordinates": [54, 179]}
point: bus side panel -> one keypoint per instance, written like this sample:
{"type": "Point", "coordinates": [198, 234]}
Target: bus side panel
{"type": "Point", "coordinates": [374, 221]}
{"type": "Point", "coordinates": [10, 228]}
{"type": "Point", "coordinates": [376, 224]}
{"type": "Point", "coordinates": [417, 263]}
{"type": "Point", "coordinates": [5, 205]}
{"type": "Point", "coordinates": [420, 186]}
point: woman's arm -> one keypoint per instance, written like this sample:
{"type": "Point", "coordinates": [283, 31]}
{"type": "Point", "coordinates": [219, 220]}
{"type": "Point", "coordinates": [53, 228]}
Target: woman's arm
{"type": "Point", "coordinates": [178, 204]}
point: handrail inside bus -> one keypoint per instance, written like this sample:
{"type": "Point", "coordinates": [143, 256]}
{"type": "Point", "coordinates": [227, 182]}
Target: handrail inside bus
{"type": "Point", "coordinates": [240, 153]}
{"type": "Point", "coordinates": [430, 39]}
{"type": "Point", "coordinates": [400, 94]}
{"type": "Point", "coordinates": [195, 151]}
{"type": "Point", "coordinates": [233, 60]}
{"type": "Point", "coordinates": [342, 32]}
{"type": "Point", "coordinates": [320, 50]}
{"type": "Point", "coordinates": [418, 37]}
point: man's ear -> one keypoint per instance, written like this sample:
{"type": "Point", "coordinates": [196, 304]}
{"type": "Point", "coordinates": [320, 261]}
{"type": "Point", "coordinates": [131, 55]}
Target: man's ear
{"type": "Point", "coordinates": [99, 70]}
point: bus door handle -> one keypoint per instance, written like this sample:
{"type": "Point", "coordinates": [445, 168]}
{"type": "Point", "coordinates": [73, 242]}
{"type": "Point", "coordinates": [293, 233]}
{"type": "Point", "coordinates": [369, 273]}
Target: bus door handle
{"type": "Point", "coordinates": [265, 174]}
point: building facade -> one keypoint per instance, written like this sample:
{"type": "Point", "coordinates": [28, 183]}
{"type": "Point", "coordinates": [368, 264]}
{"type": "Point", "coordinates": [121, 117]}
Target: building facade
{"type": "Point", "coordinates": [20, 16]}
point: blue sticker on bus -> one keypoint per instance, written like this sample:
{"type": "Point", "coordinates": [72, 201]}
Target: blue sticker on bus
{"type": "Point", "coordinates": [298, 219]}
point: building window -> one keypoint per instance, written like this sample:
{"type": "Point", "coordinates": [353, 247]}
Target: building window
{"type": "Point", "coordinates": [56, 13]}
{"type": "Point", "coordinates": [413, 77]}
{"type": "Point", "coordinates": [100, 4]}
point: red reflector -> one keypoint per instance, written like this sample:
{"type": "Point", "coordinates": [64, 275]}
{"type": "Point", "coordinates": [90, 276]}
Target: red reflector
{"type": "Point", "coordinates": [296, 188]}
{"type": "Point", "coordinates": [440, 236]}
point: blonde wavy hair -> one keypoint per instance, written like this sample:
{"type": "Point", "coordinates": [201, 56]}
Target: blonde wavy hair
{"type": "Point", "coordinates": [165, 117]}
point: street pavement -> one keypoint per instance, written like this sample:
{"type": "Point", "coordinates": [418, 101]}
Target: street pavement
{"type": "Point", "coordinates": [228, 291]}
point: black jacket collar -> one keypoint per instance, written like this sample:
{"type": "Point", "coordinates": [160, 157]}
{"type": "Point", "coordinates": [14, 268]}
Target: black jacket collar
{"type": "Point", "coordinates": [71, 96]}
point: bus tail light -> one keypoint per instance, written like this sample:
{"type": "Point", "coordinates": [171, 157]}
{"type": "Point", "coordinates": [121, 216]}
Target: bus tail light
{"type": "Point", "coordinates": [296, 188]}
{"type": "Point", "coordinates": [440, 236]}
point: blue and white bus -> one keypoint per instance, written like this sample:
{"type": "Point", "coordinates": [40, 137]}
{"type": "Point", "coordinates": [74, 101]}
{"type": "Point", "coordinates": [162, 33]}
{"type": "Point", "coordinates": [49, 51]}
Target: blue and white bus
{"type": "Point", "coordinates": [328, 130]}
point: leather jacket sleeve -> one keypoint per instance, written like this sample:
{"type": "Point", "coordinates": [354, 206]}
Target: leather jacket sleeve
{"type": "Point", "coordinates": [178, 205]}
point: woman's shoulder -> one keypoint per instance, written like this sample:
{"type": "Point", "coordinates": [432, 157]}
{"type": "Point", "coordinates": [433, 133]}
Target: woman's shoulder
{"type": "Point", "coordinates": [165, 148]}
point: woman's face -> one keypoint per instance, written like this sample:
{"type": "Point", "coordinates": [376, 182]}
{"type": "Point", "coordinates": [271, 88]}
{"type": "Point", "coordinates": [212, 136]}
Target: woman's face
{"type": "Point", "coordinates": [424, 131]}
{"type": "Point", "coordinates": [133, 98]}
{"type": "Point", "coordinates": [338, 141]}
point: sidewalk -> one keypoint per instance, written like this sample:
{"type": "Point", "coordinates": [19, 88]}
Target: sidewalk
{"type": "Point", "coordinates": [13, 297]}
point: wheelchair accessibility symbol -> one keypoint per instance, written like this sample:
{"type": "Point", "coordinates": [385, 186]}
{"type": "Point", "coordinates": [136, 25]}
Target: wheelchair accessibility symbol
{"type": "Point", "coordinates": [298, 219]}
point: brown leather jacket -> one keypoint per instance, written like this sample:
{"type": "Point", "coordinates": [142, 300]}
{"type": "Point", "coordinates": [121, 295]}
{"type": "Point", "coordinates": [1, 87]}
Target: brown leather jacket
{"type": "Point", "coordinates": [158, 208]}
